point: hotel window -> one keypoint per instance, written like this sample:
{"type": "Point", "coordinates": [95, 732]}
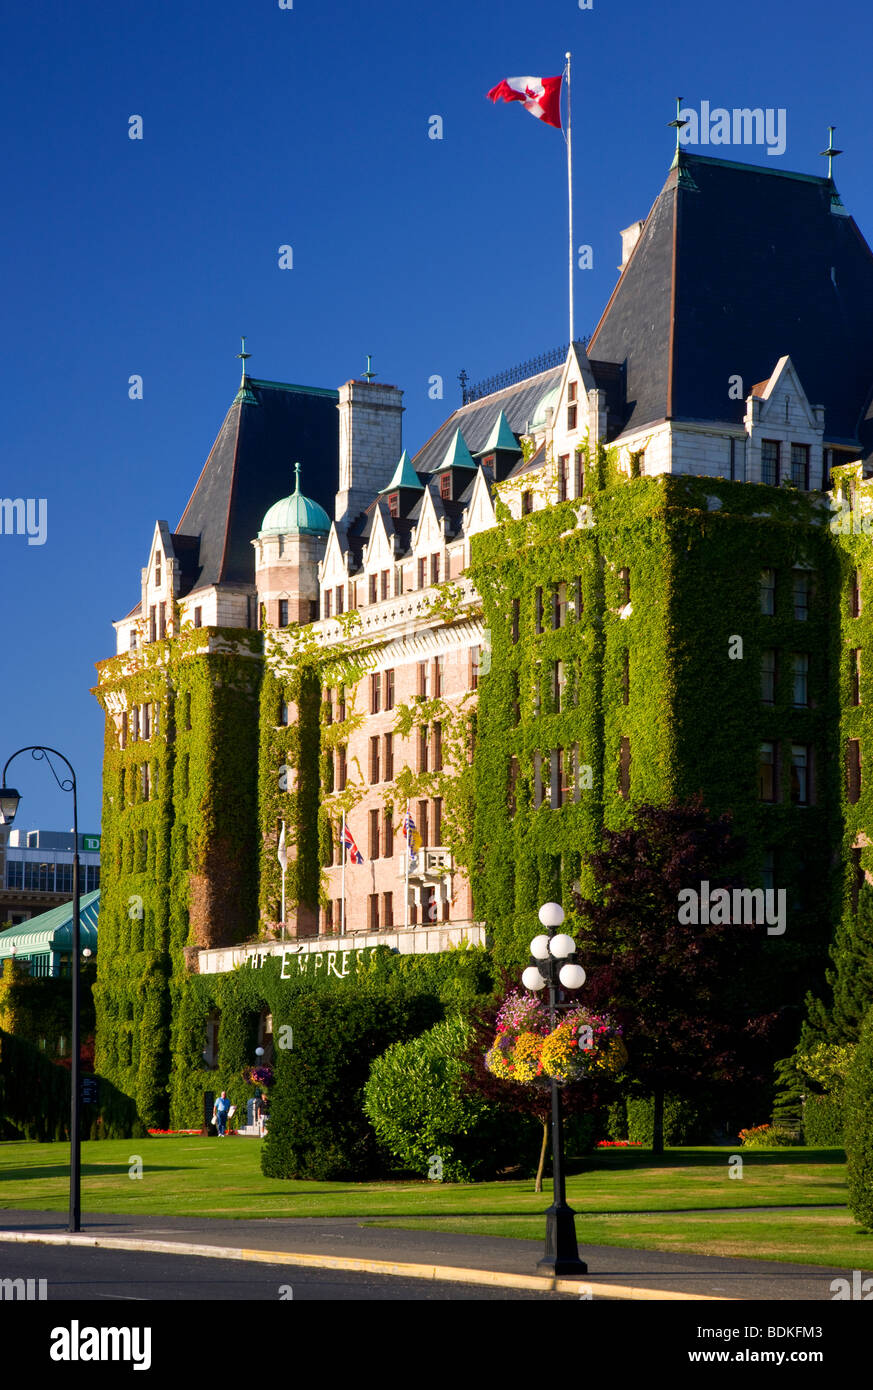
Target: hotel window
{"type": "Point", "coordinates": [340, 599]}
{"type": "Point", "coordinates": [374, 834]}
{"type": "Point", "coordinates": [372, 588]}
{"type": "Point", "coordinates": [144, 782]}
{"type": "Point", "coordinates": [538, 779]}
{"type": "Point", "coordinates": [446, 487]}
{"type": "Point", "coordinates": [473, 675]}
{"type": "Point", "coordinates": [767, 592]}
{"type": "Point", "coordinates": [439, 676]}
{"type": "Point", "coordinates": [578, 604]}
{"type": "Point", "coordinates": [134, 724]}
{"type": "Point", "coordinates": [853, 771]}
{"type": "Point", "coordinates": [388, 766]}
{"type": "Point", "coordinates": [283, 712]}
{"type": "Point", "coordinates": [373, 912]}
{"type": "Point", "coordinates": [767, 772]}
{"type": "Point", "coordinates": [328, 706]}
{"type": "Point", "coordinates": [516, 614]}
{"type": "Point", "coordinates": [539, 610]}
{"type": "Point", "coordinates": [569, 779]}
{"type": "Point", "coordinates": [422, 823]}
{"type": "Point", "coordinates": [800, 670]}
{"type": "Point", "coordinates": [437, 820]}
{"type": "Point", "coordinates": [855, 595]}
{"type": "Point", "coordinates": [374, 760]}
{"type": "Point", "coordinates": [387, 909]}
{"type": "Point", "coordinates": [624, 762]}
{"type": "Point", "coordinates": [341, 703]}
{"type": "Point", "coordinates": [770, 462]}
{"type": "Point", "coordinates": [625, 678]}
{"type": "Point", "coordinates": [768, 677]}
{"type": "Point", "coordinates": [153, 627]}
{"type": "Point", "coordinates": [341, 768]}
{"type": "Point", "coordinates": [556, 778]}
{"type": "Point", "coordinates": [198, 617]}
{"type": "Point", "coordinates": [388, 832]}
{"type": "Point", "coordinates": [389, 689]}
{"type": "Point", "coordinates": [423, 747]}
{"type": "Point", "coordinates": [157, 569]}
{"type": "Point", "coordinates": [800, 465]}
{"type": "Point", "coordinates": [146, 721]}
{"type": "Point", "coordinates": [394, 504]}
{"type": "Point", "coordinates": [571, 417]}
{"type": "Point", "coordinates": [437, 747]}
{"type": "Point", "coordinates": [434, 569]}
{"type": "Point", "coordinates": [326, 603]}
{"type": "Point", "coordinates": [800, 774]}
{"type": "Point", "coordinates": [383, 581]}
{"type": "Point", "coordinates": [802, 588]}
{"type": "Point", "coordinates": [424, 679]}
{"type": "Point", "coordinates": [624, 581]}
{"type": "Point", "coordinates": [133, 639]}
{"type": "Point", "coordinates": [162, 620]}
{"type": "Point", "coordinates": [563, 477]}
{"type": "Point", "coordinates": [526, 503]}
{"type": "Point", "coordinates": [283, 612]}
{"type": "Point", "coordinates": [855, 674]}
{"type": "Point", "coordinates": [327, 918]}
{"type": "Point", "coordinates": [375, 692]}
{"type": "Point", "coordinates": [559, 605]}
{"type": "Point", "coordinates": [422, 573]}
{"type": "Point", "coordinates": [512, 783]}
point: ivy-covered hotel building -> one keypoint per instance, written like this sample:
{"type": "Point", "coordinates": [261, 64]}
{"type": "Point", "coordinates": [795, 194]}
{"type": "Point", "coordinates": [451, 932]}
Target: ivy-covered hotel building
{"type": "Point", "coordinates": [636, 575]}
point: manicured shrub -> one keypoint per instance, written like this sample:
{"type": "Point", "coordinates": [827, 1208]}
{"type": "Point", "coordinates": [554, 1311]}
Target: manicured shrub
{"type": "Point", "coordinates": [768, 1137]}
{"type": "Point", "coordinates": [684, 1121]}
{"type": "Point", "coordinates": [859, 1128]}
{"type": "Point", "coordinates": [35, 1099]}
{"type": "Point", "coordinates": [317, 1128]}
{"type": "Point", "coordinates": [420, 1109]}
{"type": "Point", "coordinates": [823, 1122]}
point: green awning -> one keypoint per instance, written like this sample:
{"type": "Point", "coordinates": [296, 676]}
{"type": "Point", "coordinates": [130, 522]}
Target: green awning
{"type": "Point", "coordinates": [53, 930]}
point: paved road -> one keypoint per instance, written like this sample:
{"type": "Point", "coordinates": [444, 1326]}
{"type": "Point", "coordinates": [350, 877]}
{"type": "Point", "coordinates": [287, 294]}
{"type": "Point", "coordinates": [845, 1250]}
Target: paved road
{"type": "Point", "coordinates": [132, 1276]}
{"type": "Point", "coordinates": [353, 1238]}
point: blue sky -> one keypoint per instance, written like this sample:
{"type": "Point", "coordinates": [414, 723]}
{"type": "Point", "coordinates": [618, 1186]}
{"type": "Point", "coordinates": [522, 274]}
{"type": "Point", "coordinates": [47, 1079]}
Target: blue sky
{"type": "Point", "coordinates": [309, 127]}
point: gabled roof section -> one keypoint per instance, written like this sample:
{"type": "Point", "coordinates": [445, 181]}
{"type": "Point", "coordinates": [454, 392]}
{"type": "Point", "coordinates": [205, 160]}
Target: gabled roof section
{"type": "Point", "coordinates": [476, 420]}
{"type": "Point", "coordinates": [734, 269]}
{"type": "Point", "coordinates": [247, 469]}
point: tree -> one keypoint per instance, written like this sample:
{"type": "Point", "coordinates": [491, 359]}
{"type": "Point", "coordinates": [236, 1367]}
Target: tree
{"type": "Point", "coordinates": [859, 1128]}
{"type": "Point", "coordinates": [679, 988]}
{"type": "Point", "coordinates": [851, 979]}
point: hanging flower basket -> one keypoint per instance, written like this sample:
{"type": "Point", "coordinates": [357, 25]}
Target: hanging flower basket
{"type": "Point", "coordinates": [258, 1076]}
{"type": "Point", "coordinates": [584, 1046]}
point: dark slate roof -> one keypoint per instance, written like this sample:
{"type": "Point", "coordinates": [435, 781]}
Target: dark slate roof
{"type": "Point", "coordinates": [476, 420]}
{"type": "Point", "coordinates": [729, 275]}
{"type": "Point", "coordinates": [251, 466]}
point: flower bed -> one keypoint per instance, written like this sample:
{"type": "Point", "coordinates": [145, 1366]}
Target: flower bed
{"type": "Point", "coordinates": [619, 1144]}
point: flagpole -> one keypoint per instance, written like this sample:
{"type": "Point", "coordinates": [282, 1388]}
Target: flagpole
{"type": "Point", "coordinates": [406, 888]}
{"type": "Point", "coordinates": [569, 139]}
{"type": "Point", "coordinates": [343, 885]}
{"type": "Point", "coordinates": [283, 883]}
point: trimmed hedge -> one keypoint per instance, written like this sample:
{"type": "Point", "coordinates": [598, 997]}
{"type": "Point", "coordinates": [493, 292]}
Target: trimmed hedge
{"type": "Point", "coordinates": [684, 1121]}
{"type": "Point", "coordinates": [421, 1110]}
{"type": "Point", "coordinates": [317, 1128]}
{"type": "Point", "coordinates": [859, 1128]}
{"type": "Point", "coordinates": [823, 1122]}
{"type": "Point", "coordinates": [35, 1099]}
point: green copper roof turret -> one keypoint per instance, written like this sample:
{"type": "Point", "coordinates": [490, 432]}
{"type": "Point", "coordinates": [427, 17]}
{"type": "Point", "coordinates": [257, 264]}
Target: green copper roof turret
{"type": "Point", "coordinates": [295, 515]}
{"type": "Point", "coordinates": [404, 476]}
{"type": "Point", "coordinates": [501, 437]}
{"type": "Point", "coordinates": [457, 455]}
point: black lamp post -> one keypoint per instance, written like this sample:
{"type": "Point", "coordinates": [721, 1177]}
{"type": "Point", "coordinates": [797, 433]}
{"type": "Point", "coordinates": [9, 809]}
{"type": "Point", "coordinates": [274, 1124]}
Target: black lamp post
{"type": "Point", "coordinates": [554, 965]}
{"type": "Point", "coordinates": [9, 799]}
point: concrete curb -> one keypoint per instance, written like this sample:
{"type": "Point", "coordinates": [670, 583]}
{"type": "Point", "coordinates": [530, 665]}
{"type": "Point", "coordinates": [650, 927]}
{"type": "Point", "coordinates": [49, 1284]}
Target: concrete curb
{"type": "Point", "coordinates": [443, 1273]}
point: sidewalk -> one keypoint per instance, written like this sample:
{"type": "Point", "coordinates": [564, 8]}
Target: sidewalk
{"type": "Point", "coordinates": [352, 1243]}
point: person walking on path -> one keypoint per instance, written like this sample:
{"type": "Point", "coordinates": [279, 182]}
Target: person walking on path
{"type": "Point", "coordinates": [222, 1106]}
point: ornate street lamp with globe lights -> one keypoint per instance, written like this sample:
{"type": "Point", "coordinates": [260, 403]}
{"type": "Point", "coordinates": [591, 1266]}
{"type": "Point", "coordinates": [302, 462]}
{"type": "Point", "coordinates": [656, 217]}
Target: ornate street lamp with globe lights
{"type": "Point", "coordinates": [554, 967]}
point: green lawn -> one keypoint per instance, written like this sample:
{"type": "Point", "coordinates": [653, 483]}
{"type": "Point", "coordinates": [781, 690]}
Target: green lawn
{"type": "Point", "coordinates": [193, 1176]}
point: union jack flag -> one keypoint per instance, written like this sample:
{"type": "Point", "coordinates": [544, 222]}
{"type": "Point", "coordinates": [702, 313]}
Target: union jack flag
{"type": "Point", "coordinates": [354, 853]}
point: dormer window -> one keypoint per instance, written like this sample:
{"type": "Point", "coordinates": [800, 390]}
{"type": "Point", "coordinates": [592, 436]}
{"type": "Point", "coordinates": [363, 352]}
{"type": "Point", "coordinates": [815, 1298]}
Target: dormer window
{"type": "Point", "coordinates": [571, 390]}
{"type": "Point", "coordinates": [158, 569]}
{"type": "Point", "coordinates": [446, 487]}
{"type": "Point", "coordinates": [571, 417]}
{"type": "Point", "coordinates": [394, 504]}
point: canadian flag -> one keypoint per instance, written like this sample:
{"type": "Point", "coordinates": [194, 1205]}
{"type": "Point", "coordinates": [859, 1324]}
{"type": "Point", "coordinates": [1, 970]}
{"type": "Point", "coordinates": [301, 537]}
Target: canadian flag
{"type": "Point", "coordinates": [541, 96]}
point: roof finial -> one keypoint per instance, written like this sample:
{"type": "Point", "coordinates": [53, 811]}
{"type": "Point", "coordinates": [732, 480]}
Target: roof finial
{"type": "Point", "coordinates": [831, 152]}
{"type": "Point", "coordinates": [677, 124]}
{"type": "Point", "coordinates": [297, 477]}
{"type": "Point", "coordinates": [245, 357]}
{"type": "Point", "coordinates": [369, 373]}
